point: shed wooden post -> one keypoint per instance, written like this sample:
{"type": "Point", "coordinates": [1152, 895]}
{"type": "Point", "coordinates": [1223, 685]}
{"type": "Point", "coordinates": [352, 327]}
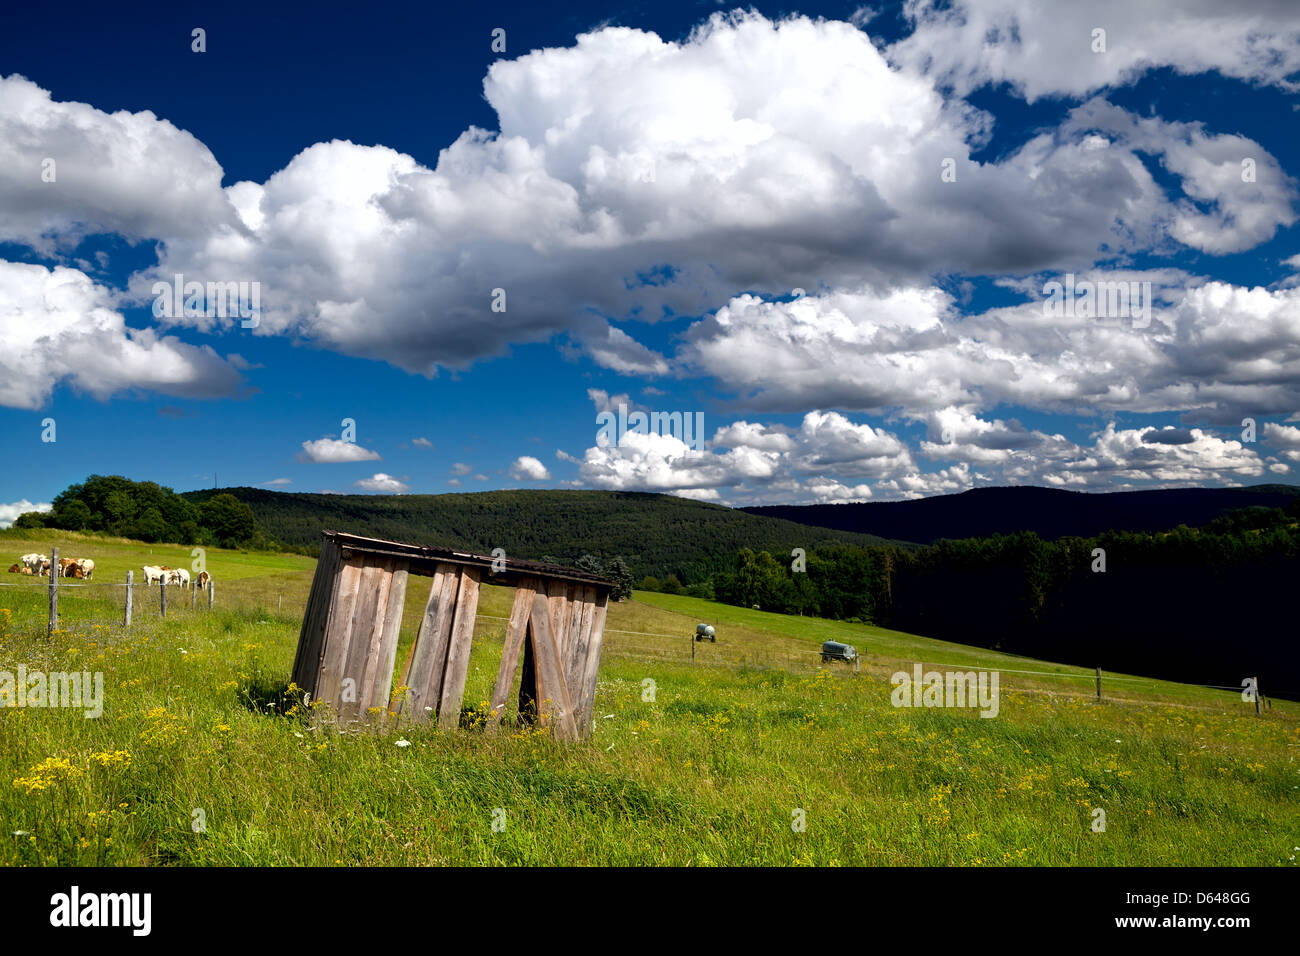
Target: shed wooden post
{"type": "Point", "coordinates": [553, 704]}
{"type": "Point", "coordinates": [162, 595]}
{"type": "Point", "coordinates": [428, 662]}
{"type": "Point", "coordinates": [1099, 683]}
{"type": "Point", "coordinates": [212, 593]}
{"type": "Point", "coordinates": [1258, 711]}
{"type": "Point", "coordinates": [130, 587]}
{"type": "Point", "coordinates": [54, 591]}
{"type": "Point", "coordinates": [462, 636]}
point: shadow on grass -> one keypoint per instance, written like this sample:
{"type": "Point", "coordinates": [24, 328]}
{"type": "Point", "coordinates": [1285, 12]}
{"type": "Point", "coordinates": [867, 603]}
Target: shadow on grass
{"type": "Point", "coordinates": [263, 693]}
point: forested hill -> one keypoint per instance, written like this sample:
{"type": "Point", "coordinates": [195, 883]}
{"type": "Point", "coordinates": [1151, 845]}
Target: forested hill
{"type": "Point", "coordinates": [655, 534]}
{"type": "Point", "coordinates": [1049, 512]}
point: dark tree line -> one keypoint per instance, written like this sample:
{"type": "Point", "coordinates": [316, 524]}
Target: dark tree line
{"type": "Point", "coordinates": [1210, 605]}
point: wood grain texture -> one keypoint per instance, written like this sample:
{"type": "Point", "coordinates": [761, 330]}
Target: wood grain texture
{"type": "Point", "coordinates": [462, 639]}
{"type": "Point", "coordinates": [338, 629]}
{"type": "Point", "coordinates": [370, 593]}
{"type": "Point", "coordinates": [585, 706]}
{"type": "Point", "coordinates": [554, 707]}
{"type": "Point", "coordinates": [379, 668]}
{"type": "Point", "coordinates": [429, 656]}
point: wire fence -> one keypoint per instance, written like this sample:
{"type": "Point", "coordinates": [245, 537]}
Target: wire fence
{"type": "Point", "coordinates": [99, 605]}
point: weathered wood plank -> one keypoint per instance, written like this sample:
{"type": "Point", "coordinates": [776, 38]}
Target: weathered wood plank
{"type": "Point", "coordinates": [556, 606]}
{"type": "Point", "coordinates": [554, 706]}
{"type": "Point", "coordinates": [379, 668]}
{"type": "Point", "coordinates": [575, 665]}
{"type": "Point", "coordinates": [585, 706]}
{"type": "Point", "coordinates": [575, 648]}
{"type": "Point", "coordinates": [311, 639]}
{"type": "Point", "coordinates": [565, 636]}
{"type": "Point", "coordinates": [373, 589]}
{"type": "Point", "coordinates": [429, 656]}
{"type": "Point", "coordinates": [363, 654]}
{"type": "Point", "coordinates": [516, 634]}
{"type": "Point", "coordinates": [462, 639]}
{"type": "Point", "coordinates": [338, 630]}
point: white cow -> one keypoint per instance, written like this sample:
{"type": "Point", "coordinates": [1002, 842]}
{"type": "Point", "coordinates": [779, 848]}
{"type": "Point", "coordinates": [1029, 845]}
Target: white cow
{"type": "Point", "coordinates": [87, 568]}
{"type": "Point", "coordinates": [34, 561]}
{"type": "Point", "coordinates": [179, 576]}
{"type": "Point", "coordinates": [154, 574]}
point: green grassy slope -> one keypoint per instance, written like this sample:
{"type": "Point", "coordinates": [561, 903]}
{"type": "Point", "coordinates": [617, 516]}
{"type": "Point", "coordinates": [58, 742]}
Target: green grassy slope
{"type": "Point", "coordinates": [712, 768]}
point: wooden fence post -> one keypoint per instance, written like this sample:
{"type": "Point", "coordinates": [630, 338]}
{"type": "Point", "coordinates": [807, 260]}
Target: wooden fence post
{"type": "Point", "coordinates": [1098, 683]}
{"type": "Point", "coordinates": [194, 596]}
{"type": "Point", "coordinates": [54, 591]}
{"type": "Point", "coordinates": [130, 578]}
{"type": "Point", "coordinates": [1257, 707]}
{"type": "Point", "coordinates": [162, 597]}
{"type": "Point", "coordinates": [212, 592]}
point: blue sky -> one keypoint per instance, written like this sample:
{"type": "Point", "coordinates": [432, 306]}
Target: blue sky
{"type": "Point", "coordinates": [648, 196]}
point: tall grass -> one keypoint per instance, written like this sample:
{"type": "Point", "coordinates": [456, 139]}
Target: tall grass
{"type": "Point", "coordinates": [197, 760]}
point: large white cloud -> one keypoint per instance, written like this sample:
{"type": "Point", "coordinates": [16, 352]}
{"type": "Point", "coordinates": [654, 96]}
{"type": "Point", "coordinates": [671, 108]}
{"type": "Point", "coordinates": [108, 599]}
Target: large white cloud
{"type": "Point", "coordinates": [1208, 348]}
{"type": "Point", "coordinates": [127, 173]}
{"type": "Point", "coordinates": [1045, 49]}
{"type": "Point", "coordinates": [57, 325]}
{"type": "Point", "coordinates": [633, 175]}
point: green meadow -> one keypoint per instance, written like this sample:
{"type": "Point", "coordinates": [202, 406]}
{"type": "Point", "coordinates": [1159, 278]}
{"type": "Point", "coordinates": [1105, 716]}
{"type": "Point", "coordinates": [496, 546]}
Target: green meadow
{"type": "Point", "coordinates": [753, 753]}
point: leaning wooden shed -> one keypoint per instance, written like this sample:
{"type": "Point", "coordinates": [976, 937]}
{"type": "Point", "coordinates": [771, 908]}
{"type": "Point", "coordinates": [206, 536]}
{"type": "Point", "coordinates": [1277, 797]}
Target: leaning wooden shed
{"type": "Point", "coordinates": [348, 645]}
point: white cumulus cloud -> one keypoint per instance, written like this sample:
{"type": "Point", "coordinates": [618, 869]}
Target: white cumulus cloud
{"type": "Point", "coordinates": [332, 450]}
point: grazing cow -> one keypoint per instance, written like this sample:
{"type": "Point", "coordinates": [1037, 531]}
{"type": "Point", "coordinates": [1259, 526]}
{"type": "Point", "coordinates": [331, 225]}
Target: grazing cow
{"type": "Point", "coordinates": [65, 567]}
{"type": "Point", "coordinates": [153, 573]}
{"type": "Point", "coordinates": [45, 567]}
{"type": "Point", "coordinates": [204, 578]}
{"type": "Point", "coordinates": [179, 576]}
{"type": "Point", "coordinates": [15, 569]}
{"type": "Point", "coordinates": [87, 568]}
{"type": "Point", "coordinates": [34, 561]}
{"type": "Point", "coordinates": [75, 570]}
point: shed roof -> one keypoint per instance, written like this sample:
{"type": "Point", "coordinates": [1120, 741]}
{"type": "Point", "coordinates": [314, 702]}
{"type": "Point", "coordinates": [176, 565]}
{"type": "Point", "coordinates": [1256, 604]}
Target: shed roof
{"type": "Point", "coordinates": [423, 559]}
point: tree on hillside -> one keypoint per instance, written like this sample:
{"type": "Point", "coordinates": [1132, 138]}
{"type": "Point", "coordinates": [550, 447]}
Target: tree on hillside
{"type": "Point", "coordinates": [621, 574]}
{"type": "Point", "coordinates": [30, 520]}
{"type": "Point", "coordinates": [229, 520]}
{"type": "Point", "coordinates": [73, 514]}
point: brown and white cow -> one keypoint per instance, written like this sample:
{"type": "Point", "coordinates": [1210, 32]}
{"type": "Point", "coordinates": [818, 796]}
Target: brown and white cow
{"type": "Point", "coordinates": [15, 569]}
{"type": "Point", "coordinates": [203, 579]}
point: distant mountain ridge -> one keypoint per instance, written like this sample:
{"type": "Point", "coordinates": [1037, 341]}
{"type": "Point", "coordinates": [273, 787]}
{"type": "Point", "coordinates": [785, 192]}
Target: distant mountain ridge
{"type": "Point", "coordinates": [656, 535]}
{"type": "Point", "coordinates": [1050, 512]}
